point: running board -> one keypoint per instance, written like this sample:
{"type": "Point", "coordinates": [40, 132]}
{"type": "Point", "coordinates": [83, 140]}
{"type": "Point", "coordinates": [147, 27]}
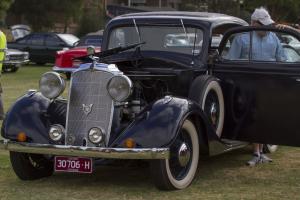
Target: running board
{"type": "Point", "coordinates": [225, 145]}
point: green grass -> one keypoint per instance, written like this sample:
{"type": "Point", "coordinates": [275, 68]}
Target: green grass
{"type": "Point", "coordinates": [220, 177]}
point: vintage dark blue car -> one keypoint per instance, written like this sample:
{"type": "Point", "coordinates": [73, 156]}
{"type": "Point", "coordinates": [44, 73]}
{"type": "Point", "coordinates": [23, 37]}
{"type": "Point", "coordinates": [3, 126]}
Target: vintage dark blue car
{"type": "Point", "coordinates": [163, 89]}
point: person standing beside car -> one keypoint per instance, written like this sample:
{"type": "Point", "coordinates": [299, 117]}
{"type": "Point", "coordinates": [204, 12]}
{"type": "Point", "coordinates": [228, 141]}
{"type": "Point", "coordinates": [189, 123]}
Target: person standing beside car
{"type": "Point", "coordinates": [2, 57]}
{"type": "Point", "coordinates": [266, 46]}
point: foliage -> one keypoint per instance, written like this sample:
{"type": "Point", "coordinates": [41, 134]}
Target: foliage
{"type": "Point", "coordinates": [280, 10]}
{"type": "Point", "coordinates": [42, 15]}
{"type": "Point", "coordinates": [92, 20]}
{"type": "Point", "coordinates": [4, 5]}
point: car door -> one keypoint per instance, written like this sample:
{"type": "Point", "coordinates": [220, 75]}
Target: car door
{"type": "Point", "coordinates": [53, 44]}
{"type": "Point", "coordinates": [262, 93]}
{"type": "Point", "coordinates": [36, 48]}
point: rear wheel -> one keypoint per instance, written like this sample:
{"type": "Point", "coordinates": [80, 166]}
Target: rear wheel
{"type": "Point", "coordinates": [30, 166]}
{"type": "Point", "coordinates": [179, 171]}
{"type": "Point", "coordinates": [10, 68]}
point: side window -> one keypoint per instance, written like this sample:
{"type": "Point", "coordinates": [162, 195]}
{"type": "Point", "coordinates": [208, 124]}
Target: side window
{"type": "Point", "coordinates": [52, 41]}
{"type": "Point", "coordinates": [37, 40]}
{"type": "Point", "coordinates": [267, 46]}
{"type": "Point", "coordinates": [23, 40]}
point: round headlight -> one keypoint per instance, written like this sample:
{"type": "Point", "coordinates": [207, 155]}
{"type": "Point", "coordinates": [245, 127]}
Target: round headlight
{"type": "Point", "coordinates": [119, 87]}
{"type": "Point", "coordinates": [56, 132]}
{"type": "Point", "coordinates": [96, 135]}
{"type": "Point", "coordinates": [52, 85]}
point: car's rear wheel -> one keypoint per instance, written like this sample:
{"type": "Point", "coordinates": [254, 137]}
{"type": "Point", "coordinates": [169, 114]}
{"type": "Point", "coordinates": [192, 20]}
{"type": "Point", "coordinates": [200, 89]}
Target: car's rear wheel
{"type": "Point", "coordinates": [179, 171]}
{"type": "Point", "coordinates": [30, 166]}
{"type": "Point", "coordinates": [10, 69]}
{"type": "Point", "coordinates": [207, 92]}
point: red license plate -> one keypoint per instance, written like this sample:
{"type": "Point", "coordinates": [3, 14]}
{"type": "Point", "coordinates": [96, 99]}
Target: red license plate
{"type": "Point", "coordinates": [73, 164]}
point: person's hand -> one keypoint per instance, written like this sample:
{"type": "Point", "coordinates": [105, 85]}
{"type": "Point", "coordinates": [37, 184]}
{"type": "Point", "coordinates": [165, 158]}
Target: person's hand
{"type": "Point", "coordinates": [281, 26]}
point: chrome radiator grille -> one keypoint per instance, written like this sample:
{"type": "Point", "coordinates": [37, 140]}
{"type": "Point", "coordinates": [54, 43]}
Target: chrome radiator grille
{"type": "Point", "coordinates": [89, 106]}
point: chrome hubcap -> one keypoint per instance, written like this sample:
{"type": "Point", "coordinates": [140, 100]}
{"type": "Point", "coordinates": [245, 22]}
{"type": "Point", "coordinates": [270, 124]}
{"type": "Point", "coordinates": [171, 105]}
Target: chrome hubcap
{"type": "Point", "coordinates": [184, 155]}
{"type": "Point", "coordinates": [213, 113]}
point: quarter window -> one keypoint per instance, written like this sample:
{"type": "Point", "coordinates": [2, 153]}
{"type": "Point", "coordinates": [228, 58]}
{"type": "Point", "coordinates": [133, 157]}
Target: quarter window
{"type": "Point", "coordinates": [52, 41]}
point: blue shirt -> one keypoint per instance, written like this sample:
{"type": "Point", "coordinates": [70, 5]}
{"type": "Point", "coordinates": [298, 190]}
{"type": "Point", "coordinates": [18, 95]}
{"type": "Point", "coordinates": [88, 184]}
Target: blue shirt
{"type": "Point", "coordinates": [264, 48]}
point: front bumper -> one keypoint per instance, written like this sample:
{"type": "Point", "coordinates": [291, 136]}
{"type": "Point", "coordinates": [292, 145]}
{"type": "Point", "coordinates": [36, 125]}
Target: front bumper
{"type": "Point", "coordinates": [91, 152]}
{"type": "Point", "coordinates": [15, 62]}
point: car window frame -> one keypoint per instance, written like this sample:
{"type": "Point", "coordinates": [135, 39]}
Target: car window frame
{"type": "Point", "coordinates": [60, 41]}
{"type": "Point", "coordinates": [250, 29]}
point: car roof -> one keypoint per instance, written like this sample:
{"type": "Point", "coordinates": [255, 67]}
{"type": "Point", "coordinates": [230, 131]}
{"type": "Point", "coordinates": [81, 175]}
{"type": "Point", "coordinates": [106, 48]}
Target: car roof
{"type": "Point", "coordinates": [214, 18]}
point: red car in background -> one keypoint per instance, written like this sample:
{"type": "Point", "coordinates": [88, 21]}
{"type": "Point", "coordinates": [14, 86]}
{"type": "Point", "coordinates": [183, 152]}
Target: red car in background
{"type": "Point", "coordinates": [65, 62]}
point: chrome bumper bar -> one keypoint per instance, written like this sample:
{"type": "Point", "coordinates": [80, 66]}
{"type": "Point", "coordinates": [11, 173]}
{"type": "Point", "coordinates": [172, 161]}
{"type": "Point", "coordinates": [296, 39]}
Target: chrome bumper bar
{"type": "Point", "coordinates": [92, 152]}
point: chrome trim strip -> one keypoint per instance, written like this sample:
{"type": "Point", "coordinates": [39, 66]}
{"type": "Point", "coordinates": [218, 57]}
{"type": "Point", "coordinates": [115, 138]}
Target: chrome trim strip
{"type": "Point", "coordinates": [92, 152]}
{"type": "Point", "coordinates": [61, 69]}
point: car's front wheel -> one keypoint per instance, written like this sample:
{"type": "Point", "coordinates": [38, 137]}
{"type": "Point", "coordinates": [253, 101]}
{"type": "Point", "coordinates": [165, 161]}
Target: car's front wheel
{"type": "Point", "coordinates": [178, 171]}
{"type": "Point", "coordinates": [30, 166]}
{"type": "Point", "coordinates": [207, 92]}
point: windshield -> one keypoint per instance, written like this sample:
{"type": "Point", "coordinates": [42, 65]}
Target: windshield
{"type": "Point", "coordinates": [187, 41]}
{"type": "Point", "coordinates": [69, 38]}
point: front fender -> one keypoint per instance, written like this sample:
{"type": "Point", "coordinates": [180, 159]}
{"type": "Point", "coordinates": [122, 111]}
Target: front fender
{"type": "Point", "coordinates": [159, 123]}
{"type": "Point", "coordinates": [30, 115]}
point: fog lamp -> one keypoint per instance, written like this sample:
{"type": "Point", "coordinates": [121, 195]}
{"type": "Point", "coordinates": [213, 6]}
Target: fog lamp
{"type": "Point", "coordinates": [56, 132]}
{"type": "Point", "coordinates": [96, 135]}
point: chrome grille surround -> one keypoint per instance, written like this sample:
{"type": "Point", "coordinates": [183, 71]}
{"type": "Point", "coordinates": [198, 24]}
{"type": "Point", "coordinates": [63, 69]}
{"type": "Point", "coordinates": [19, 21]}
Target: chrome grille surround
{"type": "Point", "coordinates": [89, 104]}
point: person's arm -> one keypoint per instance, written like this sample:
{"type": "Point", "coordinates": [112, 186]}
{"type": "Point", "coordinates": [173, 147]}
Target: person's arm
{"type": "Point", "coordinates": [235, 50]}
{"type": "Point", "coordinates": [280, 54]}
{"type": "Point", "coordinates": [283, 26]}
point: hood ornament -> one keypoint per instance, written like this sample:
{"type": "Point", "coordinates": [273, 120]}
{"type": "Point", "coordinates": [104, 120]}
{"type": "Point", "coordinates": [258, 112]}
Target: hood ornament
{"type": "Point", "coordinates": [87, 108]}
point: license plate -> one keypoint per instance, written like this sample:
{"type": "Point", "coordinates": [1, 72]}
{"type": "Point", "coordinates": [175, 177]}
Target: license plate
{"type": "Point", "coordinates": [73, 164]}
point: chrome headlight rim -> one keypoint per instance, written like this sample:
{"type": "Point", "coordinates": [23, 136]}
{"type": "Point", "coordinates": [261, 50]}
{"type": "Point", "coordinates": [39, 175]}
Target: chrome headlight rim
{"type": "Point", "coordinates": [58, 130]}
{"type": "Point", "coordinates": [101, 136]}
{"type": "Point", "coordinates": [46, 87]}
{"type": "Point", "coordinates": [129, 88]}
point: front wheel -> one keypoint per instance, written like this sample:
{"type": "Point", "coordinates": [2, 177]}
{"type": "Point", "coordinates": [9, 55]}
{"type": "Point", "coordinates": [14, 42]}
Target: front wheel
{"type": "Point", "coordinates": [179, 171]}
{"type": "Point", "coordinates": [30, 166]}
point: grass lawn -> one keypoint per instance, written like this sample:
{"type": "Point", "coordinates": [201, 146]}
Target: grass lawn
{"type": "Point", "coordinates": [220, 177]}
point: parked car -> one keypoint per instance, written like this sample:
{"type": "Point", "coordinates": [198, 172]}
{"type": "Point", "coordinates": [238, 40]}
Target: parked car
{"type": "Point", "coordinates": [64, 60]}
{"type": "Point", "coordinates": [42, 47]}
{"type": "Point", "coordinates": [142, 99]}
{"type": "Point", "coordinates": [14, 59]}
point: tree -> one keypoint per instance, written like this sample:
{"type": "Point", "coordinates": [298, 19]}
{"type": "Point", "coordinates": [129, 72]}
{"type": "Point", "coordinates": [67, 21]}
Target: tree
{"type": "Point", "coordinates": [280, 10]}
{"type": "Point", "coordinates": [41, 15]}
{"type": "Point", "coordinates": [4, 5]}
{"type": "Point", "coordinates": [92, 19]}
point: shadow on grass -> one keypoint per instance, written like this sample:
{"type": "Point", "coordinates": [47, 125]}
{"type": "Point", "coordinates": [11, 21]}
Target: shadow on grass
{"type": "Point", "coordinates": [136, 174]}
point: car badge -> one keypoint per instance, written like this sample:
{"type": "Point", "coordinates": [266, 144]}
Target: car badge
{"type": "Point", "coordinates": [87, 108]}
